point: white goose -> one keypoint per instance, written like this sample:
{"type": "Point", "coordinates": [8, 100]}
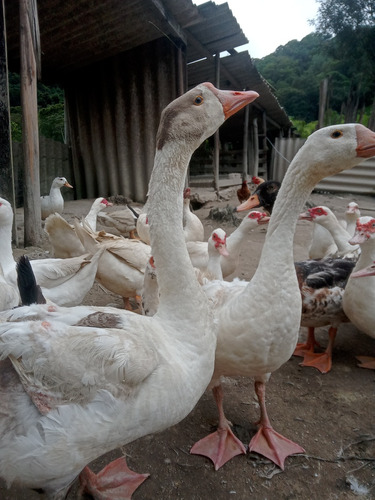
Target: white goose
{"type": "Point", "coordinates": [326, 218]}
{"type": "Point", "coordinates": [63, 281]}
{"type": "Point", "coordinates": [54, 201]}
{"type": "Point", "coordinates": [198, 250]}
{"type": "Point", "coordinates": [93, 387]}
{"type": "Point", "coordinates": [359, 296]}
{"type": "Point", "coordinates": [62, 236]}
{"type": "Point", "coordinates": [255, 345]}
{"type": "Point", "coordinates": [122, 264]}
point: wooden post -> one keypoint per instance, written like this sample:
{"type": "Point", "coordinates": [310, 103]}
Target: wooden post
{"type": "Point", "coordinates": [323, 91]}
{"type": "Point", "coordinates": [216, 160]}
{"type": "Point", "coordinates": [6, 159]}
{"type": "Point", "coordinates": [29, 46]}
{"type": "Point", "coordinates": [245, 145]}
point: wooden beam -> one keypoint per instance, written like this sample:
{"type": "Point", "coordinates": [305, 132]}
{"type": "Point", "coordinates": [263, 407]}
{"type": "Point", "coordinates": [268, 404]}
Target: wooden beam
{"type": "Point", "coordinates": [6, 160]}
{"type": "Point", "coordinates": [216, 159]}
{"type": "Point", "coordinates": [29, 32]}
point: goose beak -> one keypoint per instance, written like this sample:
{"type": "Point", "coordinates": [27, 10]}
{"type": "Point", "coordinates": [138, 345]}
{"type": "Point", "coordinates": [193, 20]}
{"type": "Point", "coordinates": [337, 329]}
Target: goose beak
{"type": "Point", "coordinates": [231, 100]}
{"type": "Point", "coordinates": [365, 142]}
{"type": "Point", "coordinates": [252, 202]}
{"type": "Point", "coordinates": [367, 271]}
{"type": "Point", "coordinates": [305, 216]}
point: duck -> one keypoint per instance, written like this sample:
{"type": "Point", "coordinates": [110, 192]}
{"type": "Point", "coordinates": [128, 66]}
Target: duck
{"type": "Point", "coordinates": [54, 201]}
{"type": "Point", "coordinates": [322, 284]}
{"type": "Point", "coordinates": [62, 236]}
{"type": "Point", "coordinates": [91, 387]}
{"type": "Point", "coordinates": [255, 345]}
{"type": "Point", "coordinates": [123, 221]}
{"type": "Point", "coordinates": [326, 218]}
{"type": "Point", "coordinates": [359, 294]}
{"type": "Point", "coordinates": [199, 254]}
{"type": "Point", "coordinates": [217, 248]}
{"type": "Point", "coordinates": [122, 264]}
{"type": "Point", "coordinates": [243, 193]}
{"type": "Point", "coordinates": [63, 281]}
{"type": "Point", "coordinates": [264, 196]}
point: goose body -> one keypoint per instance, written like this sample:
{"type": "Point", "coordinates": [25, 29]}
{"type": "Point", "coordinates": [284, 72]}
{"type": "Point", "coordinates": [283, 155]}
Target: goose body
{"type": "Point", "coordinates": [198, 251]}
{"type": "Point", "coordinates": [359, 296]}
{"type": "Point", "coordinates": [122, 263]}
{"type": "Point", "coordinates": [255, 345]}
{"type": "Point", "coordinates": [62, 236]}
{"type": "Point", "coordinates": [54, 201]}
{"type": "Point", "coordinates": [71, 392]}
{"type": "Point", "coordinates": [123, 221]}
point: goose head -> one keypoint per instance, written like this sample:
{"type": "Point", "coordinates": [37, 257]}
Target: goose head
{"type": "Point", "coordinates": [59, 182]}
{"type": "Point", "coordinates": [6, 213]}
{"type": "Point", "coordinates": [264, 196]}
{"type": "Point", "coordinates": [218, 241]}
{"type": "Point", "coordinates": [366, 271]}
{"type": "Point", "coordinates": [364, 230]}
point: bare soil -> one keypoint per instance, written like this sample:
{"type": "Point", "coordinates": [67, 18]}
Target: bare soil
{"type": "Point", "coordinates": [331, 416]}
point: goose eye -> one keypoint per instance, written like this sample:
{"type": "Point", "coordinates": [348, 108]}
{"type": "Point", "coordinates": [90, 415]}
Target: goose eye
{"type": "Point", "coordinates": [336, 134]}
{"type": "Point", "coordinates": [198, 100]}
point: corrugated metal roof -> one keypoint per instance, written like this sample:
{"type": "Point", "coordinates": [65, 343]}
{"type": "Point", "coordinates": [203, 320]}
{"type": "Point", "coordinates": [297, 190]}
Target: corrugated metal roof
{"type": "Point", "coordinates": [76, 33]}
{"type": "Point", "coordinates": [216, 31]}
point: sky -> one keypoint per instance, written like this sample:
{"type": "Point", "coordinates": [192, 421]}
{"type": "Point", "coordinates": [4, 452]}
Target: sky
{"type": "Point", "coordinates": [270, 23]}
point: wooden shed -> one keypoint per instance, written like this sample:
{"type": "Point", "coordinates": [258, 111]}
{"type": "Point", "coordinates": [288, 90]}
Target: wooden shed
{"type": "Point", "coordinates": [121, 62]}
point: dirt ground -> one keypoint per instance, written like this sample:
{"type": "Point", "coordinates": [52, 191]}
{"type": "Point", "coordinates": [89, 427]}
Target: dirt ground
{"type": "Point", "coordinates": [331, 416]}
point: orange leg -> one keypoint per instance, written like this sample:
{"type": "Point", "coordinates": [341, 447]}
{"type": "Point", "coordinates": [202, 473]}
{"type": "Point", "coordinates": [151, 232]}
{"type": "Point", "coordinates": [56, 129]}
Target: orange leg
{"type": "Point", "coordinates": [267, 441]}
{"type": "Point", "coordinates": [221, 445]}
{"type": "Point", "coordinates": [322, 361]}
{"type": "Point", "coordinates": [309, 346]}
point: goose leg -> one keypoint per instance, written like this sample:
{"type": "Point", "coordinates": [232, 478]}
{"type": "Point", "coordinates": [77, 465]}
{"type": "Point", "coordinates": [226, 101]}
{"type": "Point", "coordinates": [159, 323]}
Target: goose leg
{"type": "Point", "coordinates": [116, 481]}
{"type": "Point", "coordinates": [308, 346]}
{"type": "Point", "coordinates": [322, 361]}
{"type": "Point", "coordinates": [221, 445]}
{"type": "Point", "coordinates": [267, 441]}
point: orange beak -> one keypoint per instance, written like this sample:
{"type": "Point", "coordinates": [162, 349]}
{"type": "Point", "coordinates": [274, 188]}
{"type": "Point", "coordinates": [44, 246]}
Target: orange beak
{"type": "Point", "coordinates": [252, 202]}
{"type": "Point", "coordinates": [231, 100]}
{"type": "Point", "coordinates": [365, 142]}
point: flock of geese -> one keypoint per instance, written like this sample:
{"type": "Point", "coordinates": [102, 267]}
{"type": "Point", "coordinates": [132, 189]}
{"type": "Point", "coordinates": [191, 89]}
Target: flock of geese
{"type": "Point", "coordinates": [78, 381]}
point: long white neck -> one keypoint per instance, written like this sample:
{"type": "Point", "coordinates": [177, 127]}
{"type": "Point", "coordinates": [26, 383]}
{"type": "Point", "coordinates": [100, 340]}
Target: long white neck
{"type": "Point", "coordinates": [6, 254]}
{"type": "Point", "coordinates": [340, 235]}
{"type": "Point", "coordinates": [367, 255]}
{"type": "Point", "coordinates": [235, 240]}
{"type": "Point", "coordinates": [176, 278]}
